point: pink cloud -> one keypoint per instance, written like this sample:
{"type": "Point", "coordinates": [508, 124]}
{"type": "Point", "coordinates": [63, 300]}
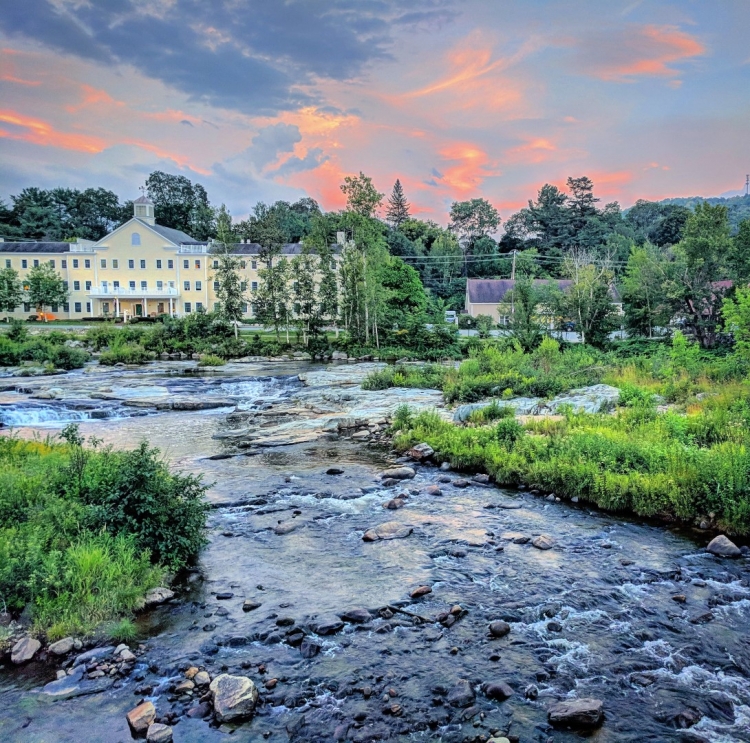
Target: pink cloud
{"type": "Point", "coordinates": [36, 131]}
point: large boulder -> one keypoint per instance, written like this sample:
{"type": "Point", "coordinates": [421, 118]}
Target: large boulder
{"type": "Point", "coordinates": [543, 542]}
{"type": "Point", "coordinates": [158, 733]}
{"type": "Point", "coordinates": [234, 697]}
{"type": "Point", "coordinates": [140, 718]}
{"type": "Point", "coordinates": [421, 452]}
{"type": "Point", "coordinates": [62, 647]}
{"type": "Point", "coordinates": [398, 473]}
{"type": "Point", "coordinates": [388, 530]}
{"type": "Point", "coordinates": [461, 695]}
{"type": "Point", "coordinates": [577, 713]}
{"type": "Point", "coordinates": [157, 596]}
{"type": "Point", "coordinates": [24, 650]}
{"type": "Point", "coordinates": [723, 547]}
{"type": "Point", "coordinates": [356, 616]}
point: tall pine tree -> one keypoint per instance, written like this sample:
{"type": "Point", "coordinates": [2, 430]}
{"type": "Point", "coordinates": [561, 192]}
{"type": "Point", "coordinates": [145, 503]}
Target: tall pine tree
{"type": "Point", "coordinates": [398, 207]}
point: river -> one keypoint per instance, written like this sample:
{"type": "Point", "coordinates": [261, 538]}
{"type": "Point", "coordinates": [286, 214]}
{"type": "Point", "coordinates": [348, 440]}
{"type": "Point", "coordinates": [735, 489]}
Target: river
{"type": "Point", "coordinates": [632, 613]}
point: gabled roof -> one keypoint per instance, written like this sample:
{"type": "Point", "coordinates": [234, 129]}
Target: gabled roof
{"type": "Point", "coordinates": [287, 249]}
{"type": "Point", "coordinates": [492, 291]}
{"type": "Point", "coordinates": [34, 247]}
{"type": "Point", "coordinates": [143, 200]}
{"type": "Point", "coordinates": [178, 237]}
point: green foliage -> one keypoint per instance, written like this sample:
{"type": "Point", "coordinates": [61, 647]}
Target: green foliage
{"type": "Point", "coordinates": [430, 376]}
{"type": "Point", "coordinates": [124, 353]}
{"type": "Point", "coordinates": [17, 347]}
{"type": "Point", "coordinates": [124, 630]}
{"type": "Point", "coordinates": [484, 324]}
{"type": "Point", "coordinates": [736, 314]}
{"type": "Point", "coordinates": [361, 196]}
{"type": "Point", "coordinates": [493, 411]}
{"type": "Point", "coordinates": [210, 359]}
{"type": "Point", "coordinates": [524, 323]}
{"type": "Point", "coordinates": [398, 206]}
{"type": "Point", "coordinates": [45, 287]}
{"type": "Point", "coordinates": [84, 533]}
{"type": "Point", "coordinates": [11, 290]}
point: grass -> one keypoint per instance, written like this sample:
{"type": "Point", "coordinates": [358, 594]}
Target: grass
{"type": "Point", "coordinates": [211, 359]}
{"type": "Point", "coordinates": [85, 531]}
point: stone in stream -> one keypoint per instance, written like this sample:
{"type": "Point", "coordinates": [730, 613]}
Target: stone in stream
{"type": "Point", "coordinates": [202, 678]}
{"type": "Point", "coordinates": [497, 690]}
{"type": "Point", "coordinates": [309, 648]}
{"type": "Point", "coordinates": [356, 616]}
{"type": "Point", "coordinates": [394, 504]}
{"type": "Point", "coordinates": [224, 596]}
{"type": "Point", "coordinates": [723, 547]}
{"type": "Point", "coordinates": [24, 650]}
{"type": "Point", "coordinates": [577, 713]}
{"type": "Point", "coordinates": [139, 718]}
{"type": "Point", "coordinates": [234, 697]}
{"type": "Point", "coordinates": [433, 490]}
{"type": "Point", "coordinates": [285, 527]}
{"type": "Point", "coordinates": [398, 473]}
{"type": "Point", "coordinates": [61, 647]}
{"type": "Point", "coordinates": [328, 626]}
{"type": "Point", "coordinates": [158, 733]}
{"type": "Point", "coordinates": [157, 596]}
{"type": "Point", "coordinates": [461, 695]}
{"type": "Point", "coordinates": [334, 471]}
{"type": "Point", "coordinates": [421, 452]}
{"type": "Point", "coordinates": [420, 591]}
{"type": "Point", "coordinates": [388, 530]}
{"type": "Point", "coordinates": [543, 542]}
{"type": "Point", "coordinates": [460, 483]}
{"type": "Point", "coordinates": [499, 628]}
{"type": "Point", "coordinates": [250, 605]}
{"type": "Point", "coordinates": [481, 479]}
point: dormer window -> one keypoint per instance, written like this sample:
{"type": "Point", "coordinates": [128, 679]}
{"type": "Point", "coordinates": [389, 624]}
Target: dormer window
{"type": "Point", "coordinates": [135, 238]}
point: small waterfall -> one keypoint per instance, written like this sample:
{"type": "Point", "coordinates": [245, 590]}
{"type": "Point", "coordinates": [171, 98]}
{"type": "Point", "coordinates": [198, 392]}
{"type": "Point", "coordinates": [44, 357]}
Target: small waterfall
{"type": "Point", "coordinates": [38, 415]}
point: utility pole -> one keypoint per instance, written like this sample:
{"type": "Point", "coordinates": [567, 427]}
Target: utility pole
{"type": "Point", "coordinates": [512, 291]}
{"type": "Point", "coordinates": [513, 269]}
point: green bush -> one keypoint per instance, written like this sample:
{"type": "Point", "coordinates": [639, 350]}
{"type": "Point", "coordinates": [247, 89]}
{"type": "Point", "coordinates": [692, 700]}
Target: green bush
{"type": "Point", "coordinates": [125, 353]}
{"type": "Point", "coordinates": [493, 411]}
{"type": "Point", "coordinates": [209, 359]}
{"type": "Point", "coordinates": [400, 375]}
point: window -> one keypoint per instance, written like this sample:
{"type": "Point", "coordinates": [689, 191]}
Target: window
{"type": "Point", "coordinates": [197, 263]}
{"type": "Point", "coordinates": [143, 264]}
{"type": "Point", "coordinates": [7, 262]}
{"type": "Point", "coordinates": [144, 284]}
{"type": "Point", "coordinates": [243, 286]}
{"type": "Point", "coordinates": [170, 264]}
{"type": "Point", "coordinates": [86, 263]}
{"type": "Point", "coordinates": [52, 265]}
{"type": "Point", "coordinates": [76, 286]}
{"type": "Point", "coordinates": [254, 264]}
{"type": "Point", "coordinates": [158, 263]}
{"type": "Point", "coordinates": [36, 262]}
{"type": "Point", "coordinates": [88, 307]}
{"type": "Point", "coordinates": [105, 308]}
{"type": "Point", "coordinates": [242, 265]}
{"type": "Point", "coordinates": [75, 262]}
{"type": "Point", "coordinates": [216, 286]}
{"type": "Point", "coordinates": [159, 285]}
{"type": "Point", "coordinates": [115, 263]}
{"type": "Point", "coordinates": [26, 307]}
{"type": "Point", "coordinates": [254, 286]}
{"type": "Point", "coordinates": [64, 264]}
{"type": "Point", "coordinates": [188, 309]}
{"type": "Point", "coordinates": [24, 264]}
{"type": "Point", "coordinates": [131, 284]}
{"type": "Point", "coordinates": [135, 239]}
{"type": "Point", "coordinates": [199, 306]}
{"type": "Point", "coordinates": [171, 284]}
{"type": "Point", "coordinates": [186, 264]}
{"type": "Point", "coordinates": [131, 263]}
{"type": "Point", "coordinates": [103, 262]}
{"type": "Point", "coordinates": [116, 284]}
{"type": "Point", "coordinates": [88, 286]}
{"type": "Point", "coordinates": [55, 307]}
{"type": "Point", "coordinates": [198, 286]}
{"type": "Point", "coordinates": [244, 308]}
{"type": "Point", "coordinates": [216, 264]}
{"type": "Point", "coordinates": [186, 285]}
{"type": "Point", "coordinates": [66, 306]}
{"type": "Point", "coordinates": [65, 285]}
{"type": "Point", "coordinates": [77, 307]}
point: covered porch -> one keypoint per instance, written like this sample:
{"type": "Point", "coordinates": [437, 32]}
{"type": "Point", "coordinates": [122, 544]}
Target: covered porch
{"type": "Point", "coordinates": [118, 302]}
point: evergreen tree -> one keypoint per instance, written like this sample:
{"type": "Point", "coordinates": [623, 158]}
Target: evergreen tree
{"type": "Point", "coordinates": [398, 208]}
{"type": "Point", "coordinates": [231, 297]}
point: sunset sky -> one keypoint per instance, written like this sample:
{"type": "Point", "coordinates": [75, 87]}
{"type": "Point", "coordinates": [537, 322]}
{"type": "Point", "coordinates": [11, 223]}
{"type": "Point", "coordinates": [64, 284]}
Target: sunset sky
{"type": "Point", "coordinates": [265, 100]}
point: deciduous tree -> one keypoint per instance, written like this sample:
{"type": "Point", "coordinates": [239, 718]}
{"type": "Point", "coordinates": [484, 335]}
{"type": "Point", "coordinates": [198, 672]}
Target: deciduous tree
{"type": "Point", "coordinates": [45, 287]}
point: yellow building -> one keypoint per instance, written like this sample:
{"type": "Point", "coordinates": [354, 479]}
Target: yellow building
{"type": "Point", "coordinates": [139, 269]}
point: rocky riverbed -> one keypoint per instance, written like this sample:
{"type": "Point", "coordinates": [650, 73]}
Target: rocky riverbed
{"type": "Point", "coordinates": [365, 601]}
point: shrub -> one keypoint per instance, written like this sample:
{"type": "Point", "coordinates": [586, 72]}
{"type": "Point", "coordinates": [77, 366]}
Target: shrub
{"type": "Point", "coordinates": [125, 353]}
{"type": "Point", "coordinates": [209, 359]}
{"type": "Point", "coordinates": [494, 411]}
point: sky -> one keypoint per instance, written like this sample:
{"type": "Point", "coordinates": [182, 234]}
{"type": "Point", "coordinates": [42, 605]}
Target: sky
{"type": "Point", "coordinates": [261, 100]}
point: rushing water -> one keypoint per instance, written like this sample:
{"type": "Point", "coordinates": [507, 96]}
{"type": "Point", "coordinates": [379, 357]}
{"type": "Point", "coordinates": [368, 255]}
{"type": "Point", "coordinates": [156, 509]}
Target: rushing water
{"type": "Point", "coordinates": [593, 617]}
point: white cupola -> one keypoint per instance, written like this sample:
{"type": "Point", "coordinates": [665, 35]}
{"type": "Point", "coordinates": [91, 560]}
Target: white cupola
{"type": "Point", "coordinates": [143, 209]}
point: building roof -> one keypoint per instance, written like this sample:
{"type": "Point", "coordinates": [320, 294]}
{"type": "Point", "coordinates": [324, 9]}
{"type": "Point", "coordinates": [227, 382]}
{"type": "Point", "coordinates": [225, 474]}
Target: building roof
{"type": "Point", "coordinates": [287, 249]}
{"type": "Point", "coordinates": [34, 247]}
{"type": "Point", "coordinates": [143, 200]}
{"type": "Point", "coordinates": [178, 237]}
{"type": "Point", "coordinates": [492, 291]}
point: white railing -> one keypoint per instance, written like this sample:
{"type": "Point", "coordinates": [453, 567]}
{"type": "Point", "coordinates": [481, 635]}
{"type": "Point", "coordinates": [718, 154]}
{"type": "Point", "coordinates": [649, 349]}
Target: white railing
{"type": "Point", "coordinates": [125, 291]}
{"type": "Point", "coordinates": [81, 248]}
{"type": "Point", "coordinates": [193, 249]}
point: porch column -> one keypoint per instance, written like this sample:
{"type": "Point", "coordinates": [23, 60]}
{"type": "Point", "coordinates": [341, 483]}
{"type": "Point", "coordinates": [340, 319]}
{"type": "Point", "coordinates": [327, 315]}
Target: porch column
{"type": "Point", "coordinates": [145, 307]}
{"type": "Point", "coordinates": [117, 307]}
{"type": "Point", "coordinates": [170, 306]}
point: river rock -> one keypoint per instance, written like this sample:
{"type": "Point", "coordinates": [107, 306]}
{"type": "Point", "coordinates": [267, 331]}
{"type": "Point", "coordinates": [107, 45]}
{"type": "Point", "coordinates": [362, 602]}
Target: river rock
{"type": "Point", "coordinates": [157, 596]}
{"type": "Point", "coordinates": [461, 695]}
{"type": "Point", "coordinates": [356, 616]}
{"type": "Point", "coordinates": [499, 628]}
{"type": "Point", "coordinates": [309, 648]}
{"type": "Point", "coordinates": [543, 542]}
{"type": "Point", "coordinates": [250, 605]}
{"type": "Point", "coordinates": [158, 733]}
{"type": "Point", "coordinates": [328, 626]}
{"type": "Point", "coordinates": [285, 527]}
{"type": "Point", "coordinates": [398, 473]}
{"type": "Point", "coordinates": [497, 690]}
{"type": "Point", "coordinates": [201, 678]}
{"type": "Point", "coordinates": [420, 591]}
{"type": "Point", "coordinates": [140, 718]}
{"type": "Point", "coordinates": [24, 650]}
{"type": "Point", "coordinates": [723, 547]}
{"type": "Point", "coordinates": [433, 490]}
{"type": "Point", "coordinates": [334, 471]}
{"type": "Point", "coordinates": [394, 504]}
{"type": "Point", "coordinates": [61, 647]}
{"type": "Point", "coordinates": [234, 697]}
{"type": "Point", "coordinates": [388, 530]}
{"type": "Point", "coordinates": [421, 452]}
{"type": "Point", "coordinates": [577, 713]}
